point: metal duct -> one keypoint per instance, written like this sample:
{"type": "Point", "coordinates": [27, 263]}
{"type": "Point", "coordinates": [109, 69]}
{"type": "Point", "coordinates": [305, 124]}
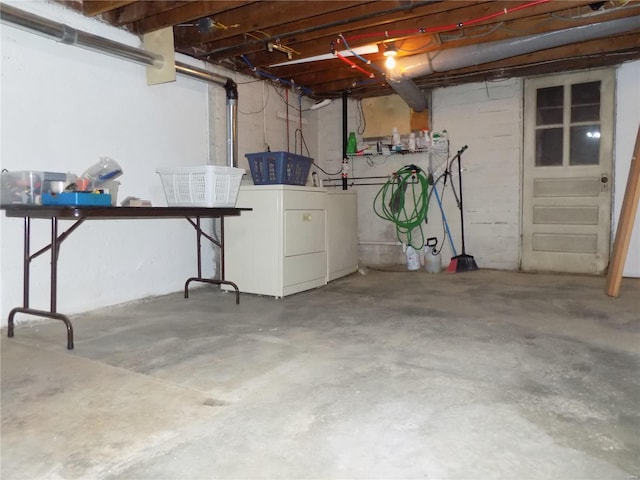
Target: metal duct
{"type": "Point", "coordinates": [232, 105]}
{"type": "Point", "coordinates": [445, 60]}
{"type": "Point", "coordinates": [65, 34]}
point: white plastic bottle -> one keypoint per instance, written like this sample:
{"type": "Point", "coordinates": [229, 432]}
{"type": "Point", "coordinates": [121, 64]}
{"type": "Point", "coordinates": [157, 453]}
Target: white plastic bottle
{"type": "Point", "coordinates": [413, 258]}
{"type": "Point", "coordinates": [397, 144]}
{"type": "Point", "coordinates": [412, 142]}
{"type": "Point", "coordinates": [426, 138]}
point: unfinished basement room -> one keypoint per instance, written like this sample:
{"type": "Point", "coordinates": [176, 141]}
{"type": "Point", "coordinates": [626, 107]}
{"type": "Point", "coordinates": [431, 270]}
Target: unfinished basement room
{"type": "Point", "coordinates": [332, 240]}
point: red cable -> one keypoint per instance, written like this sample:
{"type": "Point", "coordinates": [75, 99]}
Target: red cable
{"type": "Point", "coordinates": [504, 12]}
{"type": "Point", "coordinates": [353, 65]}
{"type": "Point", "coordinates": [453, 26]}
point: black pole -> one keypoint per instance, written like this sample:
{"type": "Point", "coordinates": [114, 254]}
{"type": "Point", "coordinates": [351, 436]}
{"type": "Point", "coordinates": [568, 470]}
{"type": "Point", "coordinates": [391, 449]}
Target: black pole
{"type": "Point", "coordinates": [460, 190]}
{"type": "Point", "coordinates": [344, 124]}
{"type": "Point", "coordinates": [463, 262]}
{"type": "Point", "coordinates": [344, 140]}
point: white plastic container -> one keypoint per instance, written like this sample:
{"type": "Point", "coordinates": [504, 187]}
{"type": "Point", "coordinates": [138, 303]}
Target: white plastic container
{"type": "Point", "coordinates": [104, 170]}
{"type": "Point", "coordinates": [413, 259]}
{"type": "Point", "coordinates": [21, 187]}
{"type": "Point", "coordinates": [397, 143]}
{"type": "Point", "coordinates": [412, 142]}
{"type": "Point", "coordinates": [432, 258]}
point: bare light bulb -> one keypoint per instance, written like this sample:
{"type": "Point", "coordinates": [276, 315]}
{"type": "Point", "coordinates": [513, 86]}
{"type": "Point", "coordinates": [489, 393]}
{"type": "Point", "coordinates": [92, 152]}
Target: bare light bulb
{"type": "Point", "coordinates": [390, 62]}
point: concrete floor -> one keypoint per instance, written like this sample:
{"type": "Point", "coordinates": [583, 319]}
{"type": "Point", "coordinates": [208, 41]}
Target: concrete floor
{"type": "Point", "coordinates": [390, 375]}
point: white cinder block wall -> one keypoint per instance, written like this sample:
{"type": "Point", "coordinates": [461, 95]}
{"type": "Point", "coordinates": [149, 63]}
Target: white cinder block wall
{"type": "Point", "coordinates": [488, 118]}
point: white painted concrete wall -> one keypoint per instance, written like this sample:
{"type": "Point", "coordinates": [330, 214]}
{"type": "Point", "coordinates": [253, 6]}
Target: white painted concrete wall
{"type": "Point", "coordinates": [487, 118]}
{"type": "Point", "coordinates": [627, 122]}
{"type": "Point", "coordinates": [62, 108]}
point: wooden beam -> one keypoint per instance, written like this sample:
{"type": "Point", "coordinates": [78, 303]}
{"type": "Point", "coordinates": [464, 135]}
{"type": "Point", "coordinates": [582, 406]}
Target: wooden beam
{"type": "Point", "coordinates": [268, 18]}
{"type": "Point", "coordinates": [139, 10]}
{"type": "Point", "coordinates": [96, 7]}
{"type": "Point", "coordinates": [625, 223]}
{"type": "Point", "coordinates": [187, 13]}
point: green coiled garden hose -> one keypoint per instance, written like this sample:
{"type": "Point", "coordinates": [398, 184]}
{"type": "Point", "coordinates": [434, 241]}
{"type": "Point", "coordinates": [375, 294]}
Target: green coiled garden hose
{"type": "Point", "coordinates": [404, 200]}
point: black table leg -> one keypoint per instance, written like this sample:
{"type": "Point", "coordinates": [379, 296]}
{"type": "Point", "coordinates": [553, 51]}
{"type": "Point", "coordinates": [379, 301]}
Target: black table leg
{"type": "Point", "coordinates": [220, 244]}
{"type": "Point", "coordinates": [42, 313]}
{"type": "Point", "coordinates": [27, 257]}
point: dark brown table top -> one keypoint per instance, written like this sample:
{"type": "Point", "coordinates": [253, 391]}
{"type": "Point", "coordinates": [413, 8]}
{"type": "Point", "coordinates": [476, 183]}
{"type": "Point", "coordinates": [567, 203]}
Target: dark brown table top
{"type": "Point", "coordinates": [73, 212]}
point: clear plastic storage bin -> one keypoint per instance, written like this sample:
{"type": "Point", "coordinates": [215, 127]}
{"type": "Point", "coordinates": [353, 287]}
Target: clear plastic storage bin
{"type": "Point", "coordinates": [21, 187]}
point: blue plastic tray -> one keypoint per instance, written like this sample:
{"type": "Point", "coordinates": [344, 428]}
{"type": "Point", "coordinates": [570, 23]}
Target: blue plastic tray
{"type": "Point", "coordinates": [77, 198]}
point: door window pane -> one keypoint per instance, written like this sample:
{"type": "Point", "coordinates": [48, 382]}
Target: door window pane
{"type": "Point", "coordinates": [585, 145]}
{"type": "Point", "coordinates": [585, 102]}
{"type": "Point", "coordinates": [549, 105]}
{"type": "Point", "coordinates": [549, 147]}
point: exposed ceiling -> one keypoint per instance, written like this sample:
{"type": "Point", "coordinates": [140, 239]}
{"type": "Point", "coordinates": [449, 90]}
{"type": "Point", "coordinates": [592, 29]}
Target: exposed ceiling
{"type": "Point", "coordinates": [255, 36]}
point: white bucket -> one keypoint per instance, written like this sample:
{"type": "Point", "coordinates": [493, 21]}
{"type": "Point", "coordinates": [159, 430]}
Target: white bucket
{"type": "Point", "coordinates": [413, 258]}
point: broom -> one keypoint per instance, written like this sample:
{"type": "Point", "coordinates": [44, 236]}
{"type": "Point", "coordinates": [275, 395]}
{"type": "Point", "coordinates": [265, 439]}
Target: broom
{"type": "Point", "coordinates": [462, 262]}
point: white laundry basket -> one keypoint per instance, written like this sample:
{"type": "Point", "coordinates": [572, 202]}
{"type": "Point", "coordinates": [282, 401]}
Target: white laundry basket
{"type": "Point", "coordinates": [202, 186]}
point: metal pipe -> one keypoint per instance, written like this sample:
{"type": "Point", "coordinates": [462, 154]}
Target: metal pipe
{"type": "Point", "coordinates": [375, 242]}
{"type": "Point", "coordinates": [200, 74]}
{"type": "Point", "coordinates": [232, 123]}
{"type": "Point", "coordinates": [454, 58]}
{"type": "Point", "coordinates": [70, 36]}
{"type": "Point", "coordinates": [232, 105]}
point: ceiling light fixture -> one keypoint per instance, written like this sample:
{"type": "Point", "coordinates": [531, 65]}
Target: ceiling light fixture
{"type": "Point", "coordinates": [390, 51]}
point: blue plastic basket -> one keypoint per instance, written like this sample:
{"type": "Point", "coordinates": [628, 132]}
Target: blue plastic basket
{"type": "Point", "coordinates": [273, 168]}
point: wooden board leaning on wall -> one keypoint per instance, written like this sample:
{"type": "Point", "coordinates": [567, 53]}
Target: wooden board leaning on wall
{"type": "Point", "coordinates": [383, 113]}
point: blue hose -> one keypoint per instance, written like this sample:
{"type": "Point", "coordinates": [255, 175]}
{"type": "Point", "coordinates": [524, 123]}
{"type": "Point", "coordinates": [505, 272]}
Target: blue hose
{"type": "Point", "coordinates": [446, 224]}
